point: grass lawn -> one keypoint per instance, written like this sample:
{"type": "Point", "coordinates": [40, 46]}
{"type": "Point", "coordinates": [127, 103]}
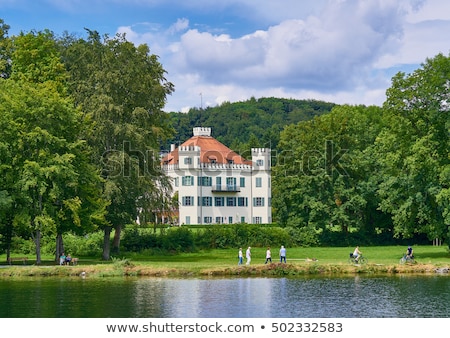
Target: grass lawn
{"type": "Point", "coordinates": [224, 261]}
{"type": "Point", "coordinates": [225, 257]}
{"type": "Point", "coordinates": [298, 255]}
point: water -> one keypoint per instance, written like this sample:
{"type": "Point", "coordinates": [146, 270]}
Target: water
{"type": "Point", "coordinates": [347, 297]}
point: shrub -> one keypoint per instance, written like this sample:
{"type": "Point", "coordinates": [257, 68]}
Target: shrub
{"type": "Point", "coordinates": [136, 240]}
{"type": "Point", "coordinates": [179, 240]}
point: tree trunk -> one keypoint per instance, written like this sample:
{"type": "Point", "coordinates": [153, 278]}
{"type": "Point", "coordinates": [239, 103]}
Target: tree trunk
{"type": "Point", "coordinates": [59, 247]}
{"type": "Point", "coordinates": [8, 237]}
{"type": "Point", "coordinates": [106, 243]}
{"type": "Point", "coordinates": [116, 241]}
{"type": "Point", "coordinates": [37, 242]}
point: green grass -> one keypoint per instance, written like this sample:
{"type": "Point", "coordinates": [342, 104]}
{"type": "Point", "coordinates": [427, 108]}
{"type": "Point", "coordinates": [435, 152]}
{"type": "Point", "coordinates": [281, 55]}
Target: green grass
{"type": "Point", "coordinates": [383, 255]}
{"type": "Point", "coordinates": [329, 255]}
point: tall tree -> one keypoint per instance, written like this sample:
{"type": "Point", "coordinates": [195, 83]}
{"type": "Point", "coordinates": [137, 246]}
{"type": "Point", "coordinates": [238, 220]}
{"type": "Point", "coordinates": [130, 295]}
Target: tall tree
{"type": "Point", "coordinates": [414, 151]}
{"type": "Point", "coordinates": [322, 172]}
{"type": "Point", "coordinates": [122, 89]}
{"type": "Point", "coordinates": [53, 186]}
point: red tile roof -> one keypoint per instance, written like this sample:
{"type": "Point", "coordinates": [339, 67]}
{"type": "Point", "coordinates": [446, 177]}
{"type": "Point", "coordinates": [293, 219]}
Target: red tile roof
{"type": "Point", "coordinates": [211, 151]}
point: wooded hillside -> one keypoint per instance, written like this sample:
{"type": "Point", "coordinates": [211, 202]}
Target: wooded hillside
{"type": "Point", "coordinates": [246, 124]}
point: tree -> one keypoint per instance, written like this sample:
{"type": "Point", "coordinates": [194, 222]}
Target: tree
{"type": "Point", "coordinates": [52, 186]}
{"type": "Point", "coordinates": [5, 58]}
{"type": "Point", "coordinates": [322, 175]}
{"type": "Point", "coordinates": [122, 89]}
{"type": "Point", "coordinates": [414, 151]}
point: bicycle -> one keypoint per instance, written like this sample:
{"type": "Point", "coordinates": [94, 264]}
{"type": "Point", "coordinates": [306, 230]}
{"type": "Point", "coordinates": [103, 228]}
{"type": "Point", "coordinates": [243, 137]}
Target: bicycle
{"type": "Point", "coordinates": [407, 260]}
{"type": "Point", "coordinates": [361, 259]}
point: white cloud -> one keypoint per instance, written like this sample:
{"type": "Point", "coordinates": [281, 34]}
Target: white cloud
{"type": "Point", "coordinates": [338, 51]}
{"type": "Point", "coordinates": [324, 52]}
{"type": "Point", "coordinates": [179, 26]}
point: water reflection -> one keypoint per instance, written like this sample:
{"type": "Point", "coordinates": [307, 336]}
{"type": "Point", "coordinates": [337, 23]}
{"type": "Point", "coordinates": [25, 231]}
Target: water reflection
{"type": "Point", "coordinates": [307, 297]}
{"type": "Point", "coordinates": [348, 297]}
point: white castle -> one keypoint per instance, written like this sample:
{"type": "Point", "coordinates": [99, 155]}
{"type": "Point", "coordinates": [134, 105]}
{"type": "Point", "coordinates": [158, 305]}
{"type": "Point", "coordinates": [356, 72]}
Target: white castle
{"type": "Point", "coordinates": [215, 185]}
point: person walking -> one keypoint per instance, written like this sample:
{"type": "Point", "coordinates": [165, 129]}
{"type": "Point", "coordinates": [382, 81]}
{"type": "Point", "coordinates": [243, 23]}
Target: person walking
{"type": "Point", "coordinates": [282, 254]}
{"type": "Point", "coordinates": [268, 256]}
{"type": "Point", "coordinates": [248, 255]}
{"type": "Point", "coordinates": [240, 257]}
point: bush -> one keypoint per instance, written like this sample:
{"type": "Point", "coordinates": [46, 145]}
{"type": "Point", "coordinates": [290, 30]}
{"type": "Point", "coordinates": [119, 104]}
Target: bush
{"type": "Point", "coordinates": [179, 240]}
{"type": "Point", "coordinates": [137, 240]}
{"type": "Point", "coordinates": [88, 245]}
{"type": "Point", "coordinates": [221, 236]}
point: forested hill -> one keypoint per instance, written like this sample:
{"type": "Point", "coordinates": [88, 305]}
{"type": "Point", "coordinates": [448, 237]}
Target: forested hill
{"type": "Point", "coordinates": [246, 124]}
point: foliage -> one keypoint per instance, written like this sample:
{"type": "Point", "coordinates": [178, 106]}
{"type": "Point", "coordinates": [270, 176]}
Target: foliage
{"type": "Point", "coordinates": [414, 150]}
{"type": "Point", "coordinates": [134, 240]}
{"type": "Point", "coordinates": [47, 175]}
{"type": "Point", "coordinates": [241, 235]}
{"type": "Point", "coordinates": [262, 120]}
{"type": "Point", "coordinates": [86, 245]}
{"type": "Point", "coordinates": [325, 164]}
{"type": "Point", "coordinates": [121, 88]}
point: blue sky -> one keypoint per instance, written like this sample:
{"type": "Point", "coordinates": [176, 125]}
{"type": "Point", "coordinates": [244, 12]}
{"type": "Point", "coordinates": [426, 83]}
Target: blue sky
{"type": "Point", "coordinates": [341, 51]}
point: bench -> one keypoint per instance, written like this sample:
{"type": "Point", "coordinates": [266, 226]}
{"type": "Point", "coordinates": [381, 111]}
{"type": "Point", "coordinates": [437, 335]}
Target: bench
{"type": "Point", "coordinates": [72, 261]}
{"type": "Point", "coordinates": [17, 259]}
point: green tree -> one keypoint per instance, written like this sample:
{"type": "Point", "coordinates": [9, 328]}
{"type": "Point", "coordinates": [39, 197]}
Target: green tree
{"type": "Point", "coordinates": [5, 65]}
{"type": "Point", "coordinates": [414, 151]}
{"type": "Point", "coordinates": [54, 189]}
{"type": "Point", "coordinates": [122, 89]}
{"type": "Point", "coordinates": [323, 169]}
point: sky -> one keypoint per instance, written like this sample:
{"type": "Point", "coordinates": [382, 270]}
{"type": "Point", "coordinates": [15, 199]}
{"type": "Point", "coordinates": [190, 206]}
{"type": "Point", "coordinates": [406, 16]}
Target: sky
{"type": "Point", "coordinates": [215, 51]}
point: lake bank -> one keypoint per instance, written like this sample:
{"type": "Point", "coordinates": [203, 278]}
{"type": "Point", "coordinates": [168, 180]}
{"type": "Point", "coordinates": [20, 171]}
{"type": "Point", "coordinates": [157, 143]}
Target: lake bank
{"type": "Point", "coordinates": [257, 270]}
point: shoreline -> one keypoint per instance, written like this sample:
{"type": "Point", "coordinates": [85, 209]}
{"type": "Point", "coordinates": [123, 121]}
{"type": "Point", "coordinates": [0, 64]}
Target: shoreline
{"type": "Point", "coordinates": [257, 270]}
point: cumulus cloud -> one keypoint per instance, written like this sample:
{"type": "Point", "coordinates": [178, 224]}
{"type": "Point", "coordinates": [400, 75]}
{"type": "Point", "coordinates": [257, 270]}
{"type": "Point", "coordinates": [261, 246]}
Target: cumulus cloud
{"type": "Point", "coordinates": [325, 52]}
{"type": "Point", "coordinates": [339, 51]}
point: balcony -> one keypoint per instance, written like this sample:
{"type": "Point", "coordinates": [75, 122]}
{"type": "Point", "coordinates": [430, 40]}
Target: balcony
{"type": "Point", "coordinates": [226, 188]}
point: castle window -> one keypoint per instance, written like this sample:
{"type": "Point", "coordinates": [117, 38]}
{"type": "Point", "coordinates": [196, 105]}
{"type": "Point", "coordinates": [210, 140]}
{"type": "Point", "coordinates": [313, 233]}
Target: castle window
{"type": "Point", "coordinates": [231, 201]}
{"type": "Point", "coordinates": [257, 220]}
{"type": "Point", "coordinates": [205, 181]}
{"type": "Point", "coordinates": [258, 201]}
{"type": "Point", "coordinates": [219, 201]}
{"type": "Point", "coordinates": [242, 201]}
{"type": "Point", "coordinates": [187, 180]}
{"type": "Point", "coordinates": [206, 201]}
{"type": "Point", "coordinates": [187, 200]}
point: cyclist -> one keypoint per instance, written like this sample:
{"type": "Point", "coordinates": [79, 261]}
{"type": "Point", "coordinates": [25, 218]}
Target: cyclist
{"type": "Point", "coordinates": [356, 254]}
{"type": "Point", "coordinates": [409, 253]}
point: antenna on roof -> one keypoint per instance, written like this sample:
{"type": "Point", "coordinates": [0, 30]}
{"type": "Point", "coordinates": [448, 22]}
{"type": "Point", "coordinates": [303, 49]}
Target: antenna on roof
{"type": "Point", "coordinates": [201, 101]}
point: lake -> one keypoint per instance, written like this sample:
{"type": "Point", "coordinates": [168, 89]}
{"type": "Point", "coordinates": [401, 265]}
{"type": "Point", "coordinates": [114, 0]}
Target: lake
{"type": "Point", "coordinates": [307, 297]}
